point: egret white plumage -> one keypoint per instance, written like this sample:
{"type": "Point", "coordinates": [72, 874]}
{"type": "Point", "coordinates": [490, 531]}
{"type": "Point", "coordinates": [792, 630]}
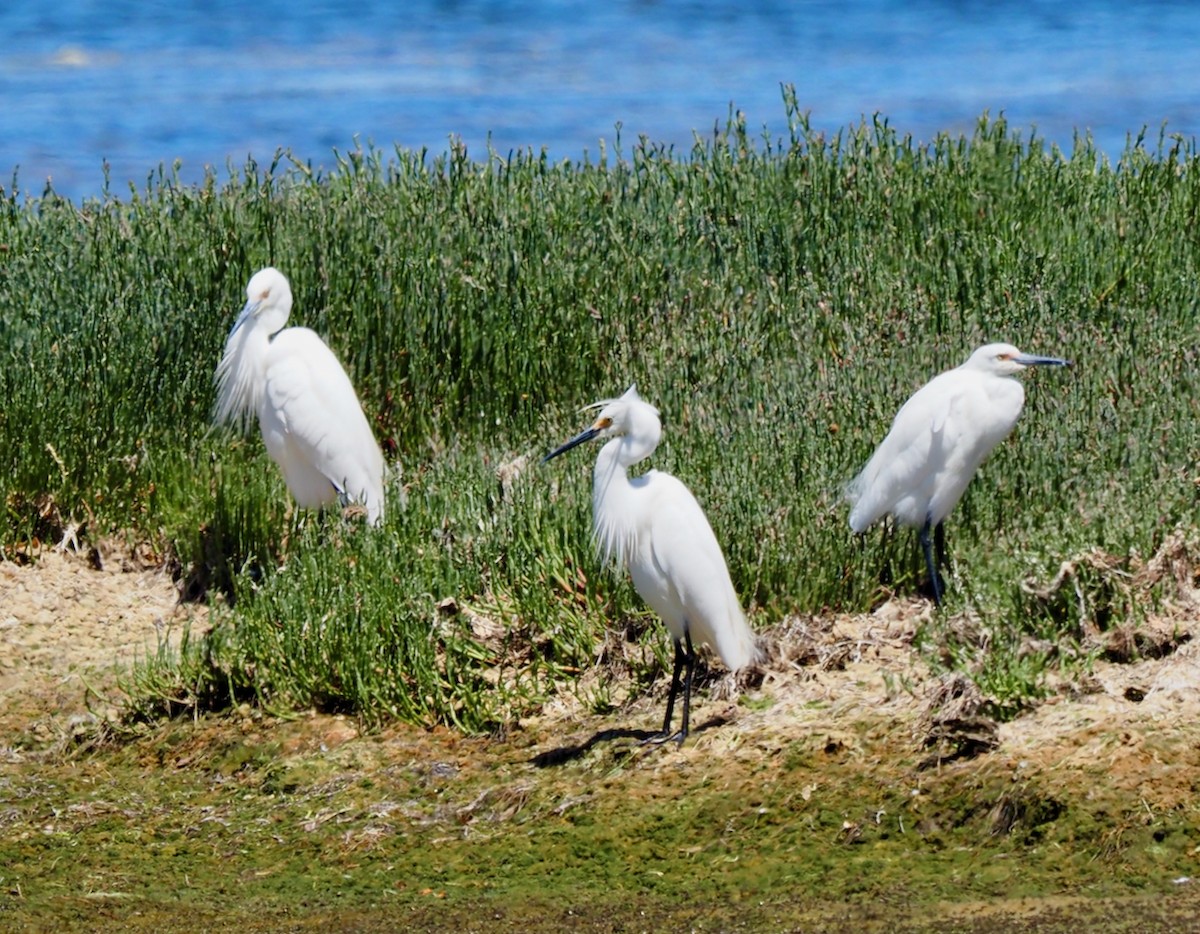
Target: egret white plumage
{"type": "Point", "coordinates": [937, 441]}
{"type": "Point", "coordinates": [653, 525]}
{"type": "Point", "coordinates": [311, 420]}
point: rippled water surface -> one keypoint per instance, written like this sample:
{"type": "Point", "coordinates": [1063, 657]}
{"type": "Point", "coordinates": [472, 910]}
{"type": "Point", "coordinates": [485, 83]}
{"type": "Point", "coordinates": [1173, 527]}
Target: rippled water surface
{"type": "Point", "coordinates": [140, 84]}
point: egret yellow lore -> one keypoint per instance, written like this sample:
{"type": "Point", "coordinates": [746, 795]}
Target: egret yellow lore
{"type": "Point", "coordinates": [310, 417]}
{"type": "Point", "coordinates": [937, 441]}
{"type": "Point", "coordinates": [653, 525]}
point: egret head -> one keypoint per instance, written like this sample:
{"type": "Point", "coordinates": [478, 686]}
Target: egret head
{"type": "Point", "coordinates": [629, 416]}
{"type": "Point", "coordinates": [268, 300]}
{"type": "Point", "coordinates": [1005, 360]}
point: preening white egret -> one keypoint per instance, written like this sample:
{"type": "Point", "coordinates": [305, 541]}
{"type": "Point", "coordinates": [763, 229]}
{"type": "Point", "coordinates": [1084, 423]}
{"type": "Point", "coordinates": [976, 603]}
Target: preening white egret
{"type": "Point", "coordinates": [309, 414]}
{"type": "Point", "coordinates": [937, 441]}
{"type": "Point", "coordinates": [653, 525]}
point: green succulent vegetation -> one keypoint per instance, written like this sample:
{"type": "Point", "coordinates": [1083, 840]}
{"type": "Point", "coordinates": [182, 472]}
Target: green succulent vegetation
{"type": "Point", "coordinates": [776, 297]}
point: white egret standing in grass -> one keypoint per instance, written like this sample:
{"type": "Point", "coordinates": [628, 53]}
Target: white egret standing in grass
{"type": "Point", "coordinates": [937, 441]}
{"type": "Point", "coordinates": [653, 525]}
{"type": "Point", "coordinates": [309, 414]}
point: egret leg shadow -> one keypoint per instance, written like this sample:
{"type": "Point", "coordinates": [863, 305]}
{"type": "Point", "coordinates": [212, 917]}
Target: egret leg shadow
{"type": "Point", "coordinates": [564, 754]}
{"type": "Point", "coordinates": [561, 755]}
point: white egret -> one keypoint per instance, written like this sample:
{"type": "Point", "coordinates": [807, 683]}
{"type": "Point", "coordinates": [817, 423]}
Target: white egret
{"type": "Point", "coordinates": [937, 441]}
{"type": "Point", "coordinates": [653, 525]}
{"type": "Point", "coordinates": [309, 414]}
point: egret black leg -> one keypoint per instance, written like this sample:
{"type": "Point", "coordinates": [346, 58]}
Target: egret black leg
{"type": "Point", "coordinates": [939, 544]}
{"type": "Point", "coordinates": [682, 658]}
{"type": "Point", "coordinates": [687, 688]}
{"type": "Point", "coordinates": [927, 547]}
{"type": "Point", "coordinates": [679, 662]}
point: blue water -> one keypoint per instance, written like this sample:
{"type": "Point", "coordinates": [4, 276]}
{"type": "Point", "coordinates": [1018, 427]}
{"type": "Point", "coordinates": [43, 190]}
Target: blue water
{"type": "Point", "coordinates": [207, 83]}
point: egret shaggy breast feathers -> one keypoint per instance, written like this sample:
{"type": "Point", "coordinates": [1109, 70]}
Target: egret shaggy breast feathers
{"type": "Point", "coordinates": [309, 414]}
{"type": "Point", "coordinates": [653, 525]}
{"type": "Point", "coordinates": [937, 441]}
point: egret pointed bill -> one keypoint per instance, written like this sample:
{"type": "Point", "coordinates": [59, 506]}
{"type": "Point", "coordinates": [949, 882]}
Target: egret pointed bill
{"type": "Point", "coordinates": [586, 435]}
{"type": "Point", "coordinates": [1026, 359]}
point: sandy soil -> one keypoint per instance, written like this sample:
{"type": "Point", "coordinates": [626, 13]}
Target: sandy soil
{"type": "Point", "coordinates": [70, 624]}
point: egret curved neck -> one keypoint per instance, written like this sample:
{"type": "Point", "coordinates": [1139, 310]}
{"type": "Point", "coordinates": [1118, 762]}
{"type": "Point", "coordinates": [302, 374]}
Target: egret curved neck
{"type": "Point", "coordinates": [613, 509]}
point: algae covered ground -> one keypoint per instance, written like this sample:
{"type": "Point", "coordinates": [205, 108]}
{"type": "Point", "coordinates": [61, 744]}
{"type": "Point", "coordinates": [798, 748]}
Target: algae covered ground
{"type": "Point", "coordinates": [842, 786]}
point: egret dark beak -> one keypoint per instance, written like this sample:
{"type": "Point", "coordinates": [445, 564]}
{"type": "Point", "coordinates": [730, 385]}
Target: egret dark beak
{"type": "Point", "coordinates": [1031, 360]}
{"type": "Point", "coordinates": [248, 311]}
{"type": "Point", "coordinates": [583, 436]}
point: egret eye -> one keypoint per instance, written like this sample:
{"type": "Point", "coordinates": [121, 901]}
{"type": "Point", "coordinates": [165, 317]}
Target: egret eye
{"type": "Point", "coordinates": [602, 423]}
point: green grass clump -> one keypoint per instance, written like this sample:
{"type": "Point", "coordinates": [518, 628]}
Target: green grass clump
{"type": "Point", "coordinates": [777, 298]}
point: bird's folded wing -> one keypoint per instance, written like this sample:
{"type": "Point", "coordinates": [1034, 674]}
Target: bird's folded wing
{"type": "Point", "coordinates": [905, 459]}
{"type": "Point", "coordinates": [690, 560]}
{"type": "Point", "coordinates": [312, 397]}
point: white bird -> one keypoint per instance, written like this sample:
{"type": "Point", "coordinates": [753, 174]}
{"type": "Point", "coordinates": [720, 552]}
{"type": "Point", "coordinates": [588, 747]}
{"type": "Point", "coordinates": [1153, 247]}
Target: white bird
{"type": "Point", "coordinates": [309, 414]}
{"type": "Point", "coordinates": [937, 441]}
{"type": "Point", "coordinates": [653, 525]}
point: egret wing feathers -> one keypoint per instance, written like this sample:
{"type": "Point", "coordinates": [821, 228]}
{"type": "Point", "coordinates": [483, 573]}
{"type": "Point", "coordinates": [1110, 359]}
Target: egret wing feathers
{"type": "Point", "coordinates": [936, 443]}
{"type": "Point", "coordinates": [310, 410]}
{"type": "Point", "coordinates": [694, 590]}
{"type": "Point", "coordinates": [902, 464]}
